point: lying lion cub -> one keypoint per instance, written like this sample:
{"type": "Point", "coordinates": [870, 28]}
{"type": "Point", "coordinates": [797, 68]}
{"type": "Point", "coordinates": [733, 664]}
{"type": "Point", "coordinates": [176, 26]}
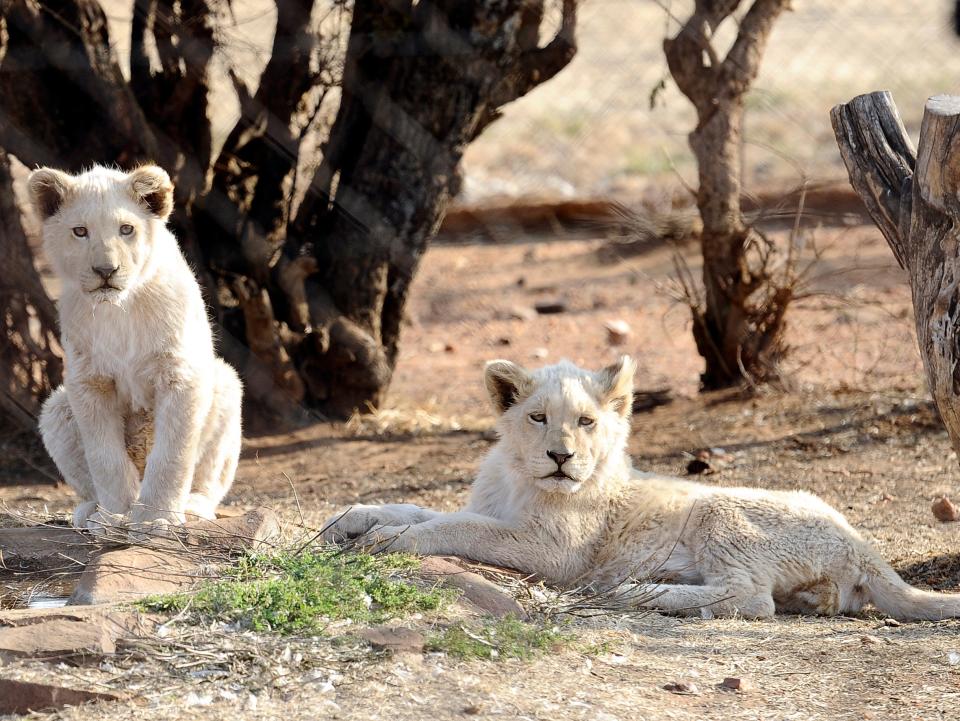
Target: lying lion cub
{"type": "Point", "coordinates": [557, 497]}
{"type": "Point", "coordinates": [144, 395]}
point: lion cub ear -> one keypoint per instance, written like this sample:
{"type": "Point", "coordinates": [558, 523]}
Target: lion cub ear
{"type": "Point", "coordinates": [616, 385]}
{"type": "Point", "coordinates": [152, 189]}
{"type": "Point", "coordinates": [506, 383]}
{"type": "Point", "coordinates": [48, 190]}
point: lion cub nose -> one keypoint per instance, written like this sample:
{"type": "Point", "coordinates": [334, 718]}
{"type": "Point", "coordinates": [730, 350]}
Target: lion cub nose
{"type": "Point", "coordinates": [105, 271]}
{"type": "Point", "coordinates": [560, 457]}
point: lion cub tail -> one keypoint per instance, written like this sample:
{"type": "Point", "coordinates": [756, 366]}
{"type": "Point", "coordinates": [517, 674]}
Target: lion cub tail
{"type": "Point", "coordinates": [898, 599]}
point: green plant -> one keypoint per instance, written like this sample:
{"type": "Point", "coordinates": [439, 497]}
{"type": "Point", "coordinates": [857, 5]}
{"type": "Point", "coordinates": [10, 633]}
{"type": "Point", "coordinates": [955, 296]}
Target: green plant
{"type": "Point", "coordinates": [302, 592]}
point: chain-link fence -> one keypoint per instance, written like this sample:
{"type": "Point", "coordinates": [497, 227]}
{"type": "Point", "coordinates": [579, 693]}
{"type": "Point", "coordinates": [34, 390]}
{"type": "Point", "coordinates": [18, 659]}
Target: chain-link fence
{"type": "Point", "coordinates": [592, 131]}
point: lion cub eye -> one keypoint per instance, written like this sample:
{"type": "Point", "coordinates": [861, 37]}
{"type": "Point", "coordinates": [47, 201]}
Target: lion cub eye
{"type": "Point", "coordinates": [126, 229]}
{"type": "Point", "coordinates": [538, 417]}
{"type": "Point", "coordinates": [79, 231]}
{"type": "Point", "coordinates": [585, 421]}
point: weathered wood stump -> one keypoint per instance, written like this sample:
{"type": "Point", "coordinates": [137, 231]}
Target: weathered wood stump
{"type": "Point", "coordinates": [914, 198]}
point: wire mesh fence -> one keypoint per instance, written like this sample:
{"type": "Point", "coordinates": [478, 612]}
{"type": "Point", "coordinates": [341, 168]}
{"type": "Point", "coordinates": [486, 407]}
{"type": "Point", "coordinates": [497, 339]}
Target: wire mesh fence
{"type": "Point", "coordinates": [614, 123]}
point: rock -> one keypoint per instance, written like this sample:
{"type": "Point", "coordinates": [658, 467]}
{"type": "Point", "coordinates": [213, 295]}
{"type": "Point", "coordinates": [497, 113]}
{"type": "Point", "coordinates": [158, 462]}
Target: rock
{"type": "Point", "coordinates": [132, 573]}
{"type": "Point", "coordinates": [732, 683]}
{"type": "Point", "coordinates": [395, 639]}
{"type": "Point", "coordinates": [21, 697]}
{"type": "Point", "coordinates": [37, 548]}
{"type": "Point", "coordinates": [892, 623]}
{"type": "Point", "coordinates": [708, 460]}
{"type": "Point", "coordinates": [521, 312]}
{"type": "Point", "coordinates": [618, 332]}
{"type": "Point", "coordinates": [550, 307]}
{"type": "Point", "coordinates": [683, 688]}
{"type": "Point", "coordinates": [57, 639]}
{"type": "Point", "coordinates": [944, 510]}
{"type": "Point", "coordinates": [502, 340]}
{"type": "Point", "coordinates": [250, 531]}
{"type": "Point", "coordinates": [436, 347]}
{"type": "Point", "coordinates": [700, 467]}
{"type": "Point", "coordinates": [540, 353]}
{"type": "Point", "coordinates": [481, 593]}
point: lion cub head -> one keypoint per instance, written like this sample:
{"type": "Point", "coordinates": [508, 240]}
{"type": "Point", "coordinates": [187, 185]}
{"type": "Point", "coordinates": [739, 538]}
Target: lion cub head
{"type": "Point", "coordinates": [99, 227]}
{"type": "Point", "coordinates": [562, 425]}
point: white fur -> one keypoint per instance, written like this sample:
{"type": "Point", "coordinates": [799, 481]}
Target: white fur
{"type": "Point", "coordinates": [660, 542]}
{"type": "Point", "coordinates": [141, 370]}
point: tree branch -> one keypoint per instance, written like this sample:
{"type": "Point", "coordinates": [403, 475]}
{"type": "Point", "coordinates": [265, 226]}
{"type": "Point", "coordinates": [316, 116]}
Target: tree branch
{"type": "Point", "coordinates": [880, 160]}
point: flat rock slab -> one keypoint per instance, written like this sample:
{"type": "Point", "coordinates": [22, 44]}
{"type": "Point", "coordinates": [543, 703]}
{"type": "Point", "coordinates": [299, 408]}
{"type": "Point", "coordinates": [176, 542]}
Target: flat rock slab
{"type": "Point", "coordinates": [37, 548]}
{"type": "Point", "coordinates": [392, 638]}
{"type": "Point", "coordinates": [132, 573]}
{"type": "Point", "coordinates": [481, 593]}
{"type": "Point", "coordinates": [58, 639]}
{"type": "Point", "coordinates": [20, 697]}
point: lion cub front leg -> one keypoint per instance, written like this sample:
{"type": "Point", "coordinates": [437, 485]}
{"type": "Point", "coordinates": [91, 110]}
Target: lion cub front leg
{"type": "Point", "coordinates": [100, 421]}
{"type": "Point", "coordinates": [479, 538]}
{"type": "Point", "coordinates": [181, 404]}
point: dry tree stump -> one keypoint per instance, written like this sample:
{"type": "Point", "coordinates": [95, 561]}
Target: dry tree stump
{"type": "Point", "coordinates": [914, 198]}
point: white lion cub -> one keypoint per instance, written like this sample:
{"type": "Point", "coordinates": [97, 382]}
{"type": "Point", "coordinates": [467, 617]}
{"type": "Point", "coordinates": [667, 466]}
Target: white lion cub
{"type": "Point", "coordinates": [146, 427]}
{"type": "Point", "coordinates": [557, 497]}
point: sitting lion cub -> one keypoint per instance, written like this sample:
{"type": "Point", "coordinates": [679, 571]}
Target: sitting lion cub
{"type": "Point", "coordinates": [146, 427]}
{"type": "Point", "coordinates": [557, 497]}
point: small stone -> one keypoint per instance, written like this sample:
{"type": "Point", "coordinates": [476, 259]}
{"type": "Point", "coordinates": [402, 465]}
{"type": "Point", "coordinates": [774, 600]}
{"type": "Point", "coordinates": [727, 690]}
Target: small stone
{"type": "Point", "coordinates": [397, 640]}
{"type": "Point", "coordinates": [436, 347]}
{"type": "Point", "coordinates": [540, 353]}
{"type": "Point", "coordinates": [449, 348]}
{"type": "Point", "coordinates": [953, 658]}
{"type": "Point", "coordinates": [944, 510]}
{"type": "Point", "coordinates": [682, 688]}
{"type": "Point", "coordinates": [700, 467]}
{"type": "Point", "coordinates": [892, 622]}
{"type": "Point", "coordinates": [22, 697]}
{"type": "Point", "coordinates": [618, 332]}
{"type": "Point", "coordinates": [550, 307]}
{"type": "Point", "coordinates": [522, 312]}
{"type": "Point", "coordinates": [503, 340]}
{"type": "Point", "coordinates": [732, 683]}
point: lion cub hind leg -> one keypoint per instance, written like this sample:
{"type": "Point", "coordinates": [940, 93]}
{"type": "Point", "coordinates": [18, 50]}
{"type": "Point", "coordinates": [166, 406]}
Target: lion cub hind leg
{"type": "Point", "coordinates": [707, 601]}
{"type": "Point", "coordinates": [219, 450]}
{"type": "Point", "coordinates": [820, 597]}
{"type": "Point", "coordinates": [61, 438]}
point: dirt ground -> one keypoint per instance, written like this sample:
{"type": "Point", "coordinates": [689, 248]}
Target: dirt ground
{"type": "Point", "coordinates": [853, 424]}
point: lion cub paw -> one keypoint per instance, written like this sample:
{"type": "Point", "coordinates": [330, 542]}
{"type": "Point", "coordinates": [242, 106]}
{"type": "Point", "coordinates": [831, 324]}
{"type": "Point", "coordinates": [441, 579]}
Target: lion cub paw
{"type": "Point", "coordinates": [106, 525]}
{"type": "Point", "coordinates": [82, 513]}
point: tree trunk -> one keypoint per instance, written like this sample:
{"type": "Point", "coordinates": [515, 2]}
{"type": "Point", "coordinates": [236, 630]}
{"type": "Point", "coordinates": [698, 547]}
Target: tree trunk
{"type": "Point", "coordinates": [420, 82]}
{"type": "Point", "coordinates": [309, 306]}
{"type": "Point", "coordinates": [739, 325]}
{"type": "Point", "coordinates": [913, 199]}
{"type": "Point", "coordinates": [30, 365]}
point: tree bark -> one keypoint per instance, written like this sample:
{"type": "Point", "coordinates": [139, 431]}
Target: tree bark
{"type": "Point", "coordinates": [30, 365]}
{"type": "Point", "coordinates": [738, 327]}
{"type": "Point", "coordinates": [913, 199]}
{"type": "Point", "coordinates": [309, 305]}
